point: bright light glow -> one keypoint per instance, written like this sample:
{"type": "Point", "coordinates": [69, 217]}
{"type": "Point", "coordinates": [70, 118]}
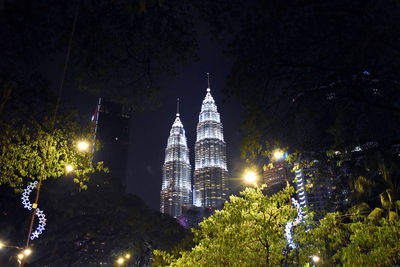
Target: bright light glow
{"type": "Point", "coordinates": [83, 146]}
{"type": "Point", "coordinates": [128, 256]}
{"type": "Point", "coordinates": [120, 260]}
{"type": "Point", "coordinates": [69, 168]}
{"type": "Point", "coordinates": [278, 155]}
{"type": "Point", "coordinates": [1, 245]}
{"type": "Point", "coordinates": [27, 252]}
{"type": "Point", "coordinates": [315, 258]}
{"type": "Point", "coordinates": [250, 176]}
{"type": "Point", "coordinates": [20, 256]}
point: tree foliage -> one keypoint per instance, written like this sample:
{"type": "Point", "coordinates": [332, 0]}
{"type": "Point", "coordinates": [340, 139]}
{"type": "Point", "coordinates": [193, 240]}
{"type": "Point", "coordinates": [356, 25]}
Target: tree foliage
{"type": "Point", "coordinates": [39, 138]}
{"type": "Point", "coordinates": [249, 231]}
{"type": "Point", "coordinates": [29, 152]}
{"type": "Point", "coordinates": [351, 240]}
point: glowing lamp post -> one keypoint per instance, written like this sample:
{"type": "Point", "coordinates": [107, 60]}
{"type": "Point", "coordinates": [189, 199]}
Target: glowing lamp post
{"type": "Point", "coordinates": [23, 253]}
{"type": "Point", "coordinates": [278, 155]}
{"type": "Point", "coordinates": [120, 260]}
{"type": "Point", "coordinates": [250, 177]}
{"type": "Point", "coordinates": [123, 259]}
{"type": "Point", "coordinates": [83, 146]}
{"type": "Point", "coordinates": [69, 168]}
{"type": "Point", "coordinates": [315, 258]}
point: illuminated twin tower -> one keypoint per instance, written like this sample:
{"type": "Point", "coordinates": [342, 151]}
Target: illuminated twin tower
{"type": "Point", "coordinates": [209, 188]}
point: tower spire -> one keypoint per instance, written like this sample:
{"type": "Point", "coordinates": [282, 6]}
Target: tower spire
{"type": "Point", "coordinates": [177, 107]}
{"type": "Point", "coordinates": [208, 82]}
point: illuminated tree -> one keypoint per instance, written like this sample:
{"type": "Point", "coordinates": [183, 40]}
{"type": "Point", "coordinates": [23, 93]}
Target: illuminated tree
{"type": "Point", "coordinates": [352, 239]}
{"type": "Point", "coordinates": [35, 141]}
{"type": "Point", "coordinates": [248, 231]}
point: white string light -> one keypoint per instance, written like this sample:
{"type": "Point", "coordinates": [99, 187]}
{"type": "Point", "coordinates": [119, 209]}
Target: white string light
{"type": "Point", "coordinates": [291, 224]}
{"type": "Point", "coordinates": [42, 224]}
{"type": "Point", "coordinates": [25, 195]}
{"type": "Point", "coordinates": [39, 213]}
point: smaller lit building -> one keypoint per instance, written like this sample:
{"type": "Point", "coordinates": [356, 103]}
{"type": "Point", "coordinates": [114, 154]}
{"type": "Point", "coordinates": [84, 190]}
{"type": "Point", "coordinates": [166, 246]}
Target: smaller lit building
{"type": "Point", "coordinates": [275, 176]}
{"type": "Point", "coordinates": [313, 190]}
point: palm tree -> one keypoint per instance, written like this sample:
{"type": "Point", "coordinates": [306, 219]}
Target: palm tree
{"type": "Point", "coordinates": [377, 181]}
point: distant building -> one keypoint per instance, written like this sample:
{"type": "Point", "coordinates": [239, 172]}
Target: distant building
{"type": "Point", "coordinates": [111, 129]}
{"type": "Point", "coordinates": [275, 177]}
{"type": "Point", "coordinates": [176, 182]}
{"type": "Point", "coordinates": [209, 185]}
{"type": "Point", "coordinates": [313, 191]}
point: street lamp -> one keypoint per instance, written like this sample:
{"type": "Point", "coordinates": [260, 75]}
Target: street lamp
{"type": "Point", "coordinates": [69, 168]}
{"type": "Point", "coordinates": [277, 155]}
{"type": "Point", "coordinates": [22, 252]}
{"type": "Point", "coordinates": [27, 252]}
{"type": "Point", "coordinates": [120, 260]}
{"type": "Point", "coordinates": [315, 258]}
{"type": "Point", "coordinates": [83, 146]}
{"type": "Point", "coordinates": [250, 176]}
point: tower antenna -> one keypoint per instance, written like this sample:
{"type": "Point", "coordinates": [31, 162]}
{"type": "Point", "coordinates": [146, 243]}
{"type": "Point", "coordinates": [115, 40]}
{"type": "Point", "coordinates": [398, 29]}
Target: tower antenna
{"type": "Point", "coordinates": [177, 106]}
{"type": "Point", "coordinates": [208, 82]}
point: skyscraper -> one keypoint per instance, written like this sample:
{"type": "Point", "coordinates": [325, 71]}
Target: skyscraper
{"type": "Point", "coordinates": [176, 183]}
{"type": "Point", "coordinates": [111, 127]}
{"type": "Point", "coordinates": [209, 187]}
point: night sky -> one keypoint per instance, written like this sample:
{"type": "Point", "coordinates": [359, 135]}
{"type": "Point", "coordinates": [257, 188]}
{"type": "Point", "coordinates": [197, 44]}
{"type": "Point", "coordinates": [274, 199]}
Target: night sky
{"type": "Point", "coordinates": [150, 130]}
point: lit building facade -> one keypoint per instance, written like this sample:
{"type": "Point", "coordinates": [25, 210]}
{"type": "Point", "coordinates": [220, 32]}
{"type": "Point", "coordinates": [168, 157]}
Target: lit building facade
{"type": "Point", "coordinates": [275, 176]}
{"type": "Point", "coordinates": [176, 186]}
{"type": "Point", "coordinates": [313, 190]}
{"type": "Point", "coordinates": [209, 180]}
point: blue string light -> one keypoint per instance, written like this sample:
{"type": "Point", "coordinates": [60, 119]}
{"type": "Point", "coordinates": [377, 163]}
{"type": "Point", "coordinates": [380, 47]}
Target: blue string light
{"type": "Point", "coordinates": [39, 213]}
